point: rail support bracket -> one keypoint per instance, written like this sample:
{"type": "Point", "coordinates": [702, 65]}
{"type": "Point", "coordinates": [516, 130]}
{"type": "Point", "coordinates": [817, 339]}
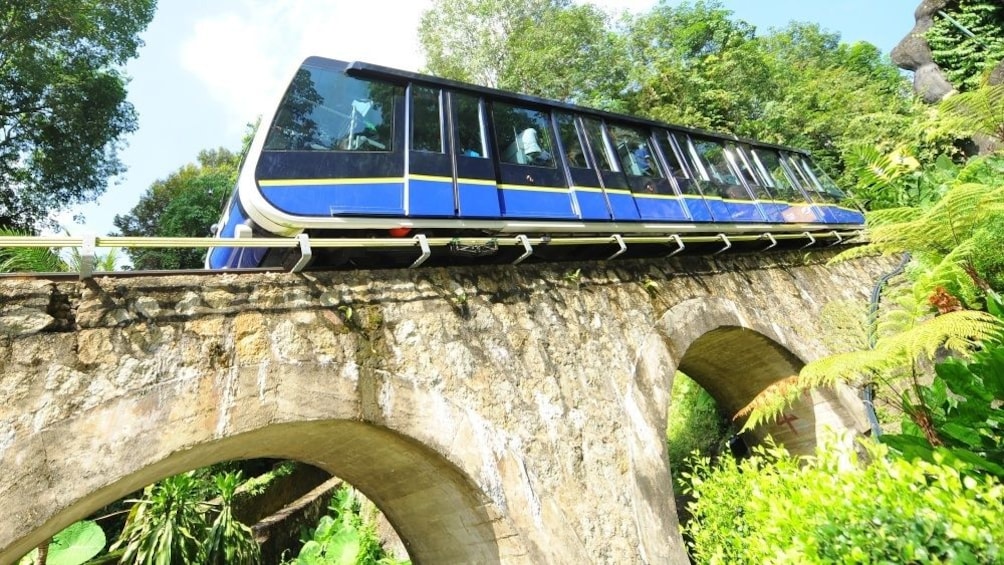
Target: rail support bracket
{"type": "Point", "coordinates": [773, 242]}
{"type": "Point", "coordinates": [527, 249]}
{"type": "Point", "coordinates": [620, 241]}
{"type": "Point", "coordinates": [88, 247]}
{"type": "Point", "coordinates": [679, 245]}
{"type": "Point", "coordinates": [839, 238]}
{"type": "Point", "coordinates": [728, 244]}
{"type": "Point", "coordinates": [305, 253]}
{"type": "Point", "coordinates": [812, 240]}
{"type": "Point", "coordinates": [426, 250]}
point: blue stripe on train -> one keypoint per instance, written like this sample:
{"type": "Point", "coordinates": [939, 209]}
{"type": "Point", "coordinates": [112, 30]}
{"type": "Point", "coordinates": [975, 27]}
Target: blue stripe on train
{"type": "Point", "coordinates": [592, 204]}
{"type": "Point", "coordinates": [430, 198]}
{"type": "Point", "coordinates": [532, 203]}
{"type": "Point", "coordinates": [668, 209]}
{"type": "Point", "coordinates": [623, 206]}
{"type": "Point", "coordinates": [434, 198]}
{"type": "Point", "coordinates": [733, 211]}
{"type": "Point", "coordinates": [479, 200]}
{"type": "Point", "coordinates": [306, 199]}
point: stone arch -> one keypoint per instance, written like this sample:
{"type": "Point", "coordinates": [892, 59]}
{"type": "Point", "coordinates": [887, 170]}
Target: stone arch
{"type": "Point", "coordinates": [396, 459]}
{"type": "Point", "coordinates": [690, 336]}
{"type": "Point", "coordinates": [734, 354]}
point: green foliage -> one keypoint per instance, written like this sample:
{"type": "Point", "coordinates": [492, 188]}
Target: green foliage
{"type": "Point", "coordinates": [344, 536]}
{"type": "Point", "coordinates": [966, 41]}
{"type": "Point", "coordinates": [694, 64]}
{"type": "Point", "coordinates": [29, 259]}
{"type": "Point", "coordinates": [979, 111]}
{"type": "Point", "coordinates": [75, 545]}
{"type": "Point", "coordinates": [63, 108]}
{"type": "Point", "coordinates": [694, 422]}
{"type": "Point", "coordinates": [945, 238]}
{"type": "Point", "coordinates": [166, 526]}
{"type": "Point", "coordinates": [230, 542]}
{"type": "Point", "coordinates": [184, 204]}
{"type": "Point", "coordinates": [958, 416]}
{"type": "Point", "coordinates": [834, 508]}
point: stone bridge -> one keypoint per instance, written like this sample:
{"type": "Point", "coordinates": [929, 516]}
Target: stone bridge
{"type": "Point", "coordinates": [495, 414]}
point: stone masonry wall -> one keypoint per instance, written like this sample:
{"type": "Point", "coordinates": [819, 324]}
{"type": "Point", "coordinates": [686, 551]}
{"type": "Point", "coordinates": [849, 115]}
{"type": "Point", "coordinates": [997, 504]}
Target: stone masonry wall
{"type": "Point", "coordinates": [495, 414]}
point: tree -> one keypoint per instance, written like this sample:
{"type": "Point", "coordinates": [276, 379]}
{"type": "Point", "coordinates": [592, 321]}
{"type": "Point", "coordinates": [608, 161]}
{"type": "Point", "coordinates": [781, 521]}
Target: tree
{"type": "Point", "coordinates": [472, 40]}
{"type": "Point", "coordinates": [185, 204]}
{"type": "Point", "coordinates": [63, 108]}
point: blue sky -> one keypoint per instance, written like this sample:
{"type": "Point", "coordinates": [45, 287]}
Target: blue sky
{"type": "Point", "coordinates": [210, 67]}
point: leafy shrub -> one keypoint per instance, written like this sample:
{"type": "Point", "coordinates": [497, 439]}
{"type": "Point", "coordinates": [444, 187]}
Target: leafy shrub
{"type": "Point", "coordinates": [344, 536]}
{"type": "Point", "coordinates": [834, 508]}
{"type": "Point", "coordinates": [694, 423]}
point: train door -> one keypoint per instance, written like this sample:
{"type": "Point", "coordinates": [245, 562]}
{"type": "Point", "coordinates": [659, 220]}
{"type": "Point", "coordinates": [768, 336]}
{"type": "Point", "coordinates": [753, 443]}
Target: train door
{"type": "Point", "coordinates": [728, 199]}
{"type": "Point", "coordinates": [615, 183]}
{"type": "Point", "coordinates": [762, 196]}
{"type": "Point", "coordinates": [431, 189]}
{"type": "Point", "coordinates": [477, 190]}
{"type": "Point", "coordinates": [530, 183]}
{"type": "Point", "coordinates": [796, 208]}
{"type": "Point", "coordinates": [449, 173]}
{"type": "Point", "coordinates": [653, 193]}
{"type": "Point", "coordinates": [683, 177]}
{"type": "Point", "coordinates": [583, 180]}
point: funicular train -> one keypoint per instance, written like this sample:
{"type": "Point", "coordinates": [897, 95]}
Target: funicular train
{"type": "Point", "coordinates": [363, 151]}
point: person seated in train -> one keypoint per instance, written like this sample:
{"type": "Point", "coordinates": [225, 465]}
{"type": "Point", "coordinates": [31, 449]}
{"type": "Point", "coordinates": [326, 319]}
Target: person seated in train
{"type": "Point", "coordinates": [643, 160]}
{"type": "Point", "coordinates": [535, 155]}
{"type": "Point", "coordinates": [735, 192]}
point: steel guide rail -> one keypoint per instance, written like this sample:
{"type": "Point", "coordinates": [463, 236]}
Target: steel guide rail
{"type": "Point", "coordinates": [89, 243]}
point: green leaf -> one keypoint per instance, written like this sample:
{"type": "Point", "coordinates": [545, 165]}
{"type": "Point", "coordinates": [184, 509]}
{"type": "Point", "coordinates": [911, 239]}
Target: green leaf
{"type": "Point", "coordinates": [78, 543]}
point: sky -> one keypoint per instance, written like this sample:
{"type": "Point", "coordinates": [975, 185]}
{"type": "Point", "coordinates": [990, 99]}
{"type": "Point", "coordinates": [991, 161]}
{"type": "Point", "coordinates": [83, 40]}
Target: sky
{"type": "Point", "coordinates": [208, 68]}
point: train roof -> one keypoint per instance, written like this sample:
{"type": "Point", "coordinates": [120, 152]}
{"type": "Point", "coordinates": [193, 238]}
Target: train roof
{"type": "Point", "coordinates": [360, 68]}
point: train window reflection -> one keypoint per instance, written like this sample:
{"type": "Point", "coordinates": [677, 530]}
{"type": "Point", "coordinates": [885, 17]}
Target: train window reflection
{"type": "Point", "coordinates": [523, 135]}
{"type": "Point", "coordinates": [715, 163]}
{"type": "Point", "coordinates": [329, 111]}
{"type": "Point", "coordinates": [768, 162]}
{"type": "Point", "coordinates": [426, 119]}
{"type": "Point", "coordinates": [596, 139]}
{"type": "Point", "coordinates": [634, 151]}
{"type": "Point", "coordinates": [470, 126]}
{"type": "Point", "coordinates": [570, 141]}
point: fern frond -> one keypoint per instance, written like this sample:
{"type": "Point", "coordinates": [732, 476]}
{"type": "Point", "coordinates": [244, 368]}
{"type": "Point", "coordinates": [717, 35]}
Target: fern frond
{"type": "Point", "coordinates": [771, 402]}
{"type": "Point", "coordinates": [957, 331]}
{"type": "Point", "coordinates": [857, 252]}
{"type": "Point", "coordinates": [887, 216]}
{"type": "Point", "coordinates": [981, 109]}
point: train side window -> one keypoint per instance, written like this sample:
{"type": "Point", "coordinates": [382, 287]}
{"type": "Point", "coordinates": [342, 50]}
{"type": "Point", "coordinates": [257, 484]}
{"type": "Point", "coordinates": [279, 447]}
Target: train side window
{"type": "Point", "coordinates": [768, 162]}
{"type": "Point", "coordinates": [523, 136]}
{"type": "Point", "coordinates": [823, 180]}
{"type": "Point", "coordinates": [569, 135]}
{"type": "Point", "coordinates": [677, 170]}
{"type": "Point", "coordinates": [598, 142]}
{"type": "Point", "coordinates": [711, 155]}
{"type": "Point", "coordinates": [470, 125]}
{"type": "Point", "coordinates": [634, 151]}
{"type": "Point", "coordinates": [426, 119]}
{"type": "Point", "coordinates": [325, 110]}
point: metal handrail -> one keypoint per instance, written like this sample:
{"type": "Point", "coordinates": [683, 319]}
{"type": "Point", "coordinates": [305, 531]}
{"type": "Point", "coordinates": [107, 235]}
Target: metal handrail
{"type": "Point", "coordinates": [88, 243]}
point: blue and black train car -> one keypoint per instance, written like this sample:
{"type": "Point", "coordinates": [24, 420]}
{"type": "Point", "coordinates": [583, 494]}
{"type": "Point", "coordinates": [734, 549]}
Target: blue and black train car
{"type": "Point", "coordinates": [359, 150]}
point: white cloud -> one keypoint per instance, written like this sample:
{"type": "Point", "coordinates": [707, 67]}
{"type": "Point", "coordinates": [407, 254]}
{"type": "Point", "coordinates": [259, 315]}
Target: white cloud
{"type": "Point", "coordinates": [246, 56]}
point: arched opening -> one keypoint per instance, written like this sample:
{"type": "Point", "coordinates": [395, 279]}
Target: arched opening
{"type": "Point", "coordinates": [734, 364]}
{"type": "Point", "coordinates": [272, 508]}
{"type": "Point", "coordinates": [438, 512]}
{"type": "Point", "coordinates": [735, 352]}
